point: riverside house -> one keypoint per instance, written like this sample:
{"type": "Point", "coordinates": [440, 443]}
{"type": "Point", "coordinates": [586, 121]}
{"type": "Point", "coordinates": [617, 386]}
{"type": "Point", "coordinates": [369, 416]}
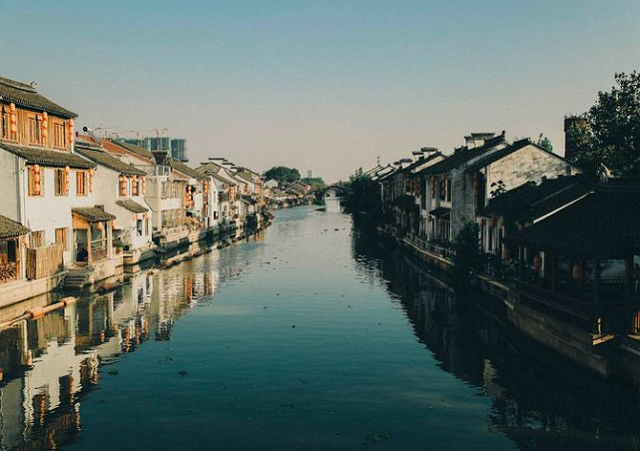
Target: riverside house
{"type": "Point", "coordinates": [47, 188]}
{"type": "Point", "coordinates": [121, 187]}
{"type": "Point", "coordinates": [459, 187]}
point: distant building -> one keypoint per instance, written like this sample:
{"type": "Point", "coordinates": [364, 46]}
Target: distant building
{"type": "Point", "coordinates": [176, 147]}
{"type": "Point", "coordinates": [309, 174]}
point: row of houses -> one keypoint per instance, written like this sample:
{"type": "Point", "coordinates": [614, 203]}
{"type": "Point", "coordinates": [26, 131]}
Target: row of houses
{"type": "Point", "coordinates": [284, 195]}
{"type": "Point", "coordinates": [78, 208]}
{"type": "Point", "coordinates": [559, 248]}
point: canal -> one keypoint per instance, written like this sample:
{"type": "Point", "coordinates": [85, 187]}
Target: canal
{"type": "Point", "coordinates": [308, 336]}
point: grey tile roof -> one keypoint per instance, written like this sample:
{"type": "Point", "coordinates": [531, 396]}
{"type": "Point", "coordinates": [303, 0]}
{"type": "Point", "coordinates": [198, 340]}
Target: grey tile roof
{"type": "Point", "coordinates": [11, 229]}
{"type": "Point", "coordinates": [133, 148]}
{"type": "Point", "coordinates": [132, 206]}
{"type": "Point", "coordinates": [186, 170]}
{"type": "Point", "coordinates": [27, 96]}
{"type": "Point", "coordinates": [93, 214]}
{"type": "Point", "coordinates": [47, 157]}
{"type": "Point", "coordinates": [102, 158]}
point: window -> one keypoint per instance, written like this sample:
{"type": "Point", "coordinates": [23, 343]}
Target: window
{"type": "Point", "coordinates": [139, 227]}
{"type": "Point", "coordinates": [81, 183]}
{"type": "Point", "coordinates": [5, 117]}
{"type": "Point", "coordinates": [448, 190]}
{"type": "Point", "coordinates": [61, 237]}
{"type": "Point", "coordinates": [443, 190]}
{"type": "Point", "coordinates": [35, 176]}
{"type": "Point", "coordinates": [37, 238]}
{"type": "Point", "coordinates": [59, 135]}
{"type": "Point", "coordinates": [33, 129]}
{"type": "Point", "coordinates": [60, 183]}
{"type": "Point", "coordinates": [8, 252]}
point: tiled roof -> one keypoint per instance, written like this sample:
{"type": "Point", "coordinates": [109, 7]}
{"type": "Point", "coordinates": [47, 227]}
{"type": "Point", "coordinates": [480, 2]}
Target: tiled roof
{"type": "Point", "coordinates": [133, 148]}
{"type": "Point", "coordinates": [186, 170]}
{"type": "Point", "coordinates": [462, 156]}
{"type": "Point", "coordinates": [27, 96]}
{"type": "Point", "coordinates": [530, 201]}
{"type": "Point", "coordinates": [11, 229]}
{"type": "Point", "coordinates": [440, 211]}
{"type": "Point", "coordinates": [604, 224]}
{"type": "Point", "coordinates": [102, 158]}
{"type": "Point", "coordinates": [132, 206]}
{"type": "Point", "coordinates": [46, 157]}
{"type": "Point", "coordinates": [501, 153]}
{"type": "Point", "coordinates": [93, 214]}
{"type": "Point", "coordinates": [223, 179]}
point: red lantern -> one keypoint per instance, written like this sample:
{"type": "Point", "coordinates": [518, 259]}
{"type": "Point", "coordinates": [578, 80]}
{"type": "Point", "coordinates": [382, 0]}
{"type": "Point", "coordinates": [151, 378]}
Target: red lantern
{"type": "Point", "coordinates": [134, 185]}
{"type": "Point", "coordinates": [143, 185]}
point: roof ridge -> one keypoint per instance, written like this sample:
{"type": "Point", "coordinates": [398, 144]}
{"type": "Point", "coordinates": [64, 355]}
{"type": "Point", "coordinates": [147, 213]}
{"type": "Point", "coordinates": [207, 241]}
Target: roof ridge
{"type": "Point", "coordinates": [18, 84]}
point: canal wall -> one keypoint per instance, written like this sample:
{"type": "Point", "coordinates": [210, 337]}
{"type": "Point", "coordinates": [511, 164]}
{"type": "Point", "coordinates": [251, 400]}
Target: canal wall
{"type": "Point", "coordinates": [600, 356]}
{"type": "Point", "coordinates": [109, 274]}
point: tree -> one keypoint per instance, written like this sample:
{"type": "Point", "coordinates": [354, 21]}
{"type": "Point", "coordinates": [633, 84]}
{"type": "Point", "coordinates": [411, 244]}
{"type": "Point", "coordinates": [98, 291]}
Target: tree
{"type": "Point", "coordinates": [468, 256]}
{"type": "Point", "coordinates": [362, 195]}
{"type": "Point", "coordinates": [545, 143]}
{"type": "Point", "coordinates": [316, 183]}
{"type": "Point", "coordinates": [283, 174]}
{"type": "Point", "coordinates": [609, 133]}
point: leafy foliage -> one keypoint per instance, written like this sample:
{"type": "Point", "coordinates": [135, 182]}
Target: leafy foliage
{"type": "Point", "coordinates": [468, 255]}
{"type": "Point", "coordinates": [316, 183]}
{"type": "Point", "coordinates": [362, 195]}
{"type": "Point", "coordinates": [283, 174]}
{"type": "Point", "coordinates": [545, 143]}
{"type": "Point", "coordinates": [609, 133]}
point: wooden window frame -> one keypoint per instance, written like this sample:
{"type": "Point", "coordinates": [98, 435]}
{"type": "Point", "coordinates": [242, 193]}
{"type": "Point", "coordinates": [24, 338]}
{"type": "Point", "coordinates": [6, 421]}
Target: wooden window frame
{"type": "Point", "coordinates": [32, 118]}
{"type": "Point", "coordinates": [62, 237]}
{"type": "Point", "coordinates": [5, 125]}
{"type": "Point", "coordinates": [58, 126]}
{"type": "Point", "coordinates": [81, 183]}
{"type": "Point", "coordinates": [59, 182]}
{"type": "Point", "coordinates": [31, 183]}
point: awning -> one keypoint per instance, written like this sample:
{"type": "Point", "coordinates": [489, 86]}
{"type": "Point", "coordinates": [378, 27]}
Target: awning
{"type": "Point", "coordinates": [11, 229]}
{"type": "Point", "coordinates": [93, 214]}
{"type": "Point", "coordinates": [440, 212]}
{"type": "Point", "coordinates": [132, 206]}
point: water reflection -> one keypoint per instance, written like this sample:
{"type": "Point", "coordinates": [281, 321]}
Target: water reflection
{"type": "Point", "coordinates": [537, 400]}
{"type": "Point", "coordinates": [47, 366]}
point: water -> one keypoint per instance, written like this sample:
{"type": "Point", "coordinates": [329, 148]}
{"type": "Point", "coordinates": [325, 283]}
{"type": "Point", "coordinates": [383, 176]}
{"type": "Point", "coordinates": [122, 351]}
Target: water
{"type": "Point", "coordinates": [309, 337]}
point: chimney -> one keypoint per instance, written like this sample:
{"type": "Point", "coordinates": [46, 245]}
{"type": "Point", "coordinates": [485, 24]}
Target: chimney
{"type": "Point", "coordinates": [572, 123]}
{"type": "Point", "coordinates": [477, 139]}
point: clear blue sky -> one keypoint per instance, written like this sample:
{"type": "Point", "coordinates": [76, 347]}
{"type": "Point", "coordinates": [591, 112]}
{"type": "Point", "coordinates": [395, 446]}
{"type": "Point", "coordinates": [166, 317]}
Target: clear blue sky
{"type": "Point", "coordinates": [322, 85]}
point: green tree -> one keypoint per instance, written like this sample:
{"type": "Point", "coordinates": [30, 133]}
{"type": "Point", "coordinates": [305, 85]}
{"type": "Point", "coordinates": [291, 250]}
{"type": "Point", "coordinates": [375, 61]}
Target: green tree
{"type": "Point", "coordinates": [609, 133]}
{"type": "Point", "coordinates": [283, 174]}
{"type": "Point", "coordinates": [362, 195]}
{"type": "Point", "coordinates": [468, 256]}
{"type": "Point", "coordinates": [545, 143]}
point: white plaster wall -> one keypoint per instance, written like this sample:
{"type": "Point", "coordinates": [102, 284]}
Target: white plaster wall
{"type": "Point", "coordinates": [9, 186]}
{"type": "Point", "coordinates": [49, 212]}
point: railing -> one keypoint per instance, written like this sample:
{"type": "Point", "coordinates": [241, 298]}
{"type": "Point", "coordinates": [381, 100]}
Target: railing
{"type": "Point", "coordinates": [559, 302]}
{"type": "Point", "coordinates": [8, 272]}
{"type": "Point", "coordinates": [99, 250]}
{"type": "Point", "coordinates": [435, 248]}
{"type": "Point", "coordinates": [44, 261]}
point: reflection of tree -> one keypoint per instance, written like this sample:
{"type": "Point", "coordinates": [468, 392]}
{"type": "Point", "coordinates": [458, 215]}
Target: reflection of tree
{"type": "Point", "coordinates": [538, 400]}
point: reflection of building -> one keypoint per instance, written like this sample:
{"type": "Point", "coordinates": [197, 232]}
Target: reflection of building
{"type": "Point", "coordinates": [536, 400]}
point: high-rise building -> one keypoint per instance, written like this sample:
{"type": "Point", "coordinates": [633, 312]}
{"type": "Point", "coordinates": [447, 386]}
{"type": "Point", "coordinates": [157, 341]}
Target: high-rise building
{"type": "Point", "coordinates": [309, 174]}
{"type": "Point", "coordinates": [177, 147]}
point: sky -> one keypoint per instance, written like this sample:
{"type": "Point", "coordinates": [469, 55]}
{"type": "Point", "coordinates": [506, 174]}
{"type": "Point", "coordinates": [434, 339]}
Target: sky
{"type": "Point", "coordinates": [327, 86]}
